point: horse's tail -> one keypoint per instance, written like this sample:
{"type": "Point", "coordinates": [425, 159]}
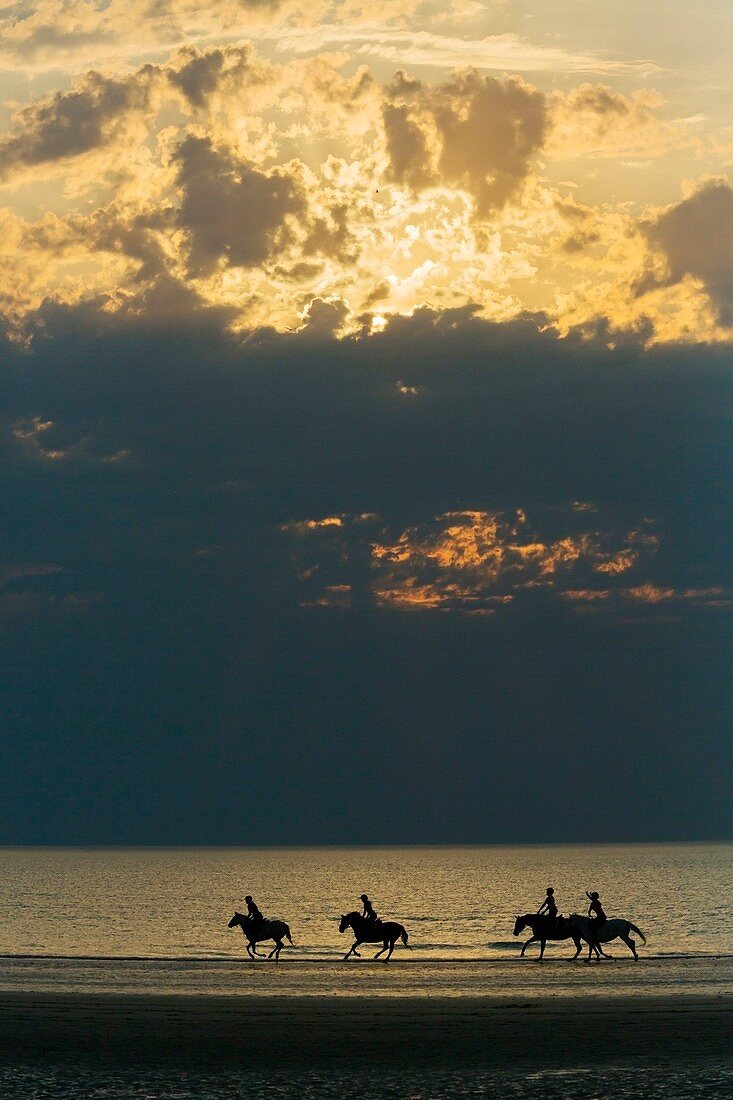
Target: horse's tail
{"type": "Point", "coordinates": [638, 932]}
{"type": "Point", "coordinates": [404, 938]}
{"type": "Point", "coordinates": [287, 934]}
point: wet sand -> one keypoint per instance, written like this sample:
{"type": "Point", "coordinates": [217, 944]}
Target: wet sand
{"type": "Point", "coordinates": [295, 1032]}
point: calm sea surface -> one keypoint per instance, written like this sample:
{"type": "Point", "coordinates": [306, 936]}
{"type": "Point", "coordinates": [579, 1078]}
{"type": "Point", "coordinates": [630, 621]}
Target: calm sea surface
{"type": "Point", "coordinates": [458, 904]}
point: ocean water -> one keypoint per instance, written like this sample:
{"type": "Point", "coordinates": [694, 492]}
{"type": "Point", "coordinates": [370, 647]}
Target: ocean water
{"type": "Point", "coordinates": [457, 904]}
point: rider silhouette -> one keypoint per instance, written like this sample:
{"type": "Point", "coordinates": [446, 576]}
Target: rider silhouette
{"type": "Point", "coordinates": [368, 910]}
{"type": "Point", "coordinates": [549, 905]}
{"type": "Point", "coordinates": [595, 909]}
{"type": "Point", "coordinates": [253, 913]}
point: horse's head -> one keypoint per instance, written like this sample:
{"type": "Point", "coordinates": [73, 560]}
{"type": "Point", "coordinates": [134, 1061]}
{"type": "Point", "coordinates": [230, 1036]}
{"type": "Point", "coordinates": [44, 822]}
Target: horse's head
{"type": "Point", "coordinates": [346, 921]}
{"type": "Point", "coordinates": [519, 925]}
{"type": "Point", "coordinates": [236, 919]}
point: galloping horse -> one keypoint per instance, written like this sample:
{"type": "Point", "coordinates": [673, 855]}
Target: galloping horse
{"type": "Point", "coordinates": [547, 928]}
{"type": "Point", "coordinates": [609, 930]}
{"type": "Point", "coordinates": [386, 932]}
{"type": "Point", "coordinates": [264, 930]}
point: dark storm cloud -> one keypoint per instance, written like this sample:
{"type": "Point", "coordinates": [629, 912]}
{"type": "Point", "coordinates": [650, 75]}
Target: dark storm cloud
{"type": "Point", "coordinates": [167, 684]}
{"type": "Point", "coordinates": [441, 411]}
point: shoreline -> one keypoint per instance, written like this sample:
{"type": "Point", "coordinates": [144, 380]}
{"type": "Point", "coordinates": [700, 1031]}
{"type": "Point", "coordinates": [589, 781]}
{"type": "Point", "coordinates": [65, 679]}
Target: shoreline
{"type": "Point", "coordinates": [291, 1032]}
{"type": "Point", "coordinates": [404, 977]}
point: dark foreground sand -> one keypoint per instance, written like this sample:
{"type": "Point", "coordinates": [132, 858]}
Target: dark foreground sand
{"type": "Point", "coordinates": [261, 1032]}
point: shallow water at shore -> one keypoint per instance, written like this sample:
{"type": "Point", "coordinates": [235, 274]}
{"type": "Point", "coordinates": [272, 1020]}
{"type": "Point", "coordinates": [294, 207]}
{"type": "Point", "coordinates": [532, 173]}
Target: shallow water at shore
{"type": "Point", "coordinates": [403, 977]}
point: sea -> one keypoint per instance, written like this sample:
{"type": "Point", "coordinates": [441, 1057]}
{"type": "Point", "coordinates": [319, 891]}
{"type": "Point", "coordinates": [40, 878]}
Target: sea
{"type": "Point", "coordinates": [155, 921]}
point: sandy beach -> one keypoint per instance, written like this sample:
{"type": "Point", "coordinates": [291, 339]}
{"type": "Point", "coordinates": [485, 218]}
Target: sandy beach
{"type": "Point", "coordinates": [286, 1031]}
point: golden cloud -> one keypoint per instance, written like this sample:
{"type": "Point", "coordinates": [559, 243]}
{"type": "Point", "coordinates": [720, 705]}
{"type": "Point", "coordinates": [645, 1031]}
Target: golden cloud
{"type": "Point", "coordinates": [466, 561]}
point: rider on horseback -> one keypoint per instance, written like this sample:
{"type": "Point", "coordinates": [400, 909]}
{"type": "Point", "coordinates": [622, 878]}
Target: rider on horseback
{"type": "Point", "coordinates": [549, 906]}
{"type": "Point", "coordinates": [368, 910]}
{"type": "Point", "coordinates": [253, 914]}
{"type": "Point", "coordinates": [595, 909]}
{"type": "Point", "coordinates": [596, 913]}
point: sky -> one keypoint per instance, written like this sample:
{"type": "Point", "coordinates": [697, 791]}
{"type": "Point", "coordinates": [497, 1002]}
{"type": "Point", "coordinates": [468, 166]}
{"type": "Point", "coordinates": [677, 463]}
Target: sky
{"type": "Point", "coordinates": [365, 421]}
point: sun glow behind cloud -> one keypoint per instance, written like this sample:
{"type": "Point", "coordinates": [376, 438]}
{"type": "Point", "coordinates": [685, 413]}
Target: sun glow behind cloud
{"type": "Point", "coordinates": [258, 157]}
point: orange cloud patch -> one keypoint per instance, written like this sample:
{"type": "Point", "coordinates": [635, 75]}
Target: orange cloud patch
{"type": "Point", "coordinates": [469, 561]}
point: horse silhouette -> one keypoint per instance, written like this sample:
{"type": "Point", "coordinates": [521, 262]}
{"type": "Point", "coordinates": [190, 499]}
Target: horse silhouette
{"type": "Point", "coordinates": [386, 932]}
{"type": "Point", "coordinates": [262, 930]}
{"type": "Point", "coordinates": [547, 928]}
{"type": "Point", "coordinates": [595, 934]}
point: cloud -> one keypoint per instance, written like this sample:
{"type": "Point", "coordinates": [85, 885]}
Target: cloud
{"type": "Point", "coordinates": [179, 595]}
{"type": "Point", "coordinates": [594, 120]}
{"type": "Point", "coordinates": [407, 148]}
{"type": "Point", "coordinates": [52, 32]}
{"type": "Point", "coordinates": [489, 131]}
{"type": "Point", "coordinates": [469, 562]}
{"type": "Point", "coordinates": [99, 110]}
{"type": "Point", "coordinates": [231, 211]}
{"type": "Point", "coordinates": [695, 239]}
{"type": "Point", "coordinates": [501, 52]}
{"type": "Point", "coordinates": [201, 74]}
{"type": "Point", "coordinates": [473, 132]}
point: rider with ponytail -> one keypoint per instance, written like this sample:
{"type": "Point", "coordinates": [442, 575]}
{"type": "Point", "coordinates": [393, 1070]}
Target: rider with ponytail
{"type": "Point", "coordinates": [595, 909]}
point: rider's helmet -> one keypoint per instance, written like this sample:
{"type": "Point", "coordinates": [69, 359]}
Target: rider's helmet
{"type": "Point", "coordinates": [248, 898]}
{"type": "Point", "coordinates": [594, 895]}
{"type": "Point", "coordinates": [363, 897]}
{"type": "Point", "coordinates": [550, 890]}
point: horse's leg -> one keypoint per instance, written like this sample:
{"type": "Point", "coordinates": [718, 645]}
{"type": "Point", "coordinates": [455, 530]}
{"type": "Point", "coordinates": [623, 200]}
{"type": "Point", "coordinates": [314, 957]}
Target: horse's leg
{"type": "Point", "coordinates": [391, 949]}
{"type": "Point", "coordinates": [381, 950]}
{"type": "Point", "coordinates": [352, 950]}
{"type": "Point", "coordinates": [534, 939]}
{"type": "Point", "coordinates": [578, 944]}
{"type": "Point", "coordinates": [543, 943]}
{"type": "Point", "coordinates": [592, 945]}
{"type": "Point", "coordinates": [631, 944]}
